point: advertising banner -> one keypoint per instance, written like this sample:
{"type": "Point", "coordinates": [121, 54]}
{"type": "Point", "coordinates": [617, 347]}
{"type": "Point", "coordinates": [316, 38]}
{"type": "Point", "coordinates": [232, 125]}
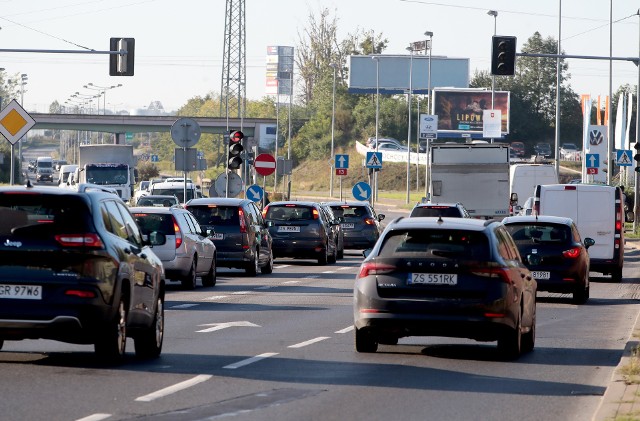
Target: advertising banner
{"type": "Point", "coordinates": [460, 111]}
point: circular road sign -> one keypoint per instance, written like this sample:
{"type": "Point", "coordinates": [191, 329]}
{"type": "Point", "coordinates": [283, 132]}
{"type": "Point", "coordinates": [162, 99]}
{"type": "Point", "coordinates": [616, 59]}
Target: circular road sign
{"type": "Point", "coordinates": [235, 184]}
{"type": "Point", "coordinates": [265, 164]}
{"type": "Point", "coordinates": [185, 132]}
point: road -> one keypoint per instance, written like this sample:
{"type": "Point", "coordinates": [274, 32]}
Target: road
{"type": "Point", "coordinates": [280, 347]}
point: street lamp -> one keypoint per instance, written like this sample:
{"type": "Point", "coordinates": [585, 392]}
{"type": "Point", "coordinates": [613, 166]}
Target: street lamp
{"type": "Point", "coordinates": [333, 122]}
{"type": "Point", "coordinates": [426, 165]}
{"type": "Point", "coordinates": [493, 13]}
{"type": "Point", "coordinates": [375, 173]}
{"type": "Point", "coordinates": [410, 49]}
{"type": "Point", "coordinates": [103, 91]}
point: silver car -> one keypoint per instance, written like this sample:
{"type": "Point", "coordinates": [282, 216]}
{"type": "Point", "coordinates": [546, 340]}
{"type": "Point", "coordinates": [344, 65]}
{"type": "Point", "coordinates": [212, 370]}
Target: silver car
{"type": "Point", "coordinates": [188, 253]}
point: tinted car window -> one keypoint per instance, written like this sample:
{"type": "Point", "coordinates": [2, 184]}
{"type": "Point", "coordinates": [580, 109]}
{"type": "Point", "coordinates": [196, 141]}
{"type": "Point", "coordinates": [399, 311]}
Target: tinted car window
{"type": "Point", "coordinates": [133, 232]}
{"type": "Point", "coordinates": [150, 222]}
{"type": "Point", "coordinates": [118, 226]}
{"type": "Point", "coordinates": [21, 211]}
{"type": "Point", "coordinates": [351, 212]}
{"type": "Point", "coordinates": [539, 233]}
{"type": "Point", "coordinates": [459, 245]}
{"type": "Point", "coordinates": [436, 211]}
{"type": "Point", "coordinates": [216, 215]}
{"type": "Point", "coordinates": [290, 213]}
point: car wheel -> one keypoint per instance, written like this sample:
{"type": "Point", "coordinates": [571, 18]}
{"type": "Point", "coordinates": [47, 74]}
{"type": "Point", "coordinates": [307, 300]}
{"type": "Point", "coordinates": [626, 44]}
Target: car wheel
{"type": "Point", "coordinates": [365, 342]}
{"type": "Point", "coordinates": [581, 295]}
{"type": "Point", "coordinates": [209, 279]}
{"type": "Point", "coordinates": [148, 343]}
{"type": "Point", "coordinates": [616, 274]}
{"type": "Point", "coordinates": [111, 343]}
{"type": "Point", "coordinates": [253, 265]}
{"type": "Point", "coordinates": [324, 256]}
{"type": "Point", "coordinates": [529, 338]}
{"type": "Point", "coordinates": [510, 343]}
{"type": "Point", "coordinates": [341, 252]}
{"type": "Point", "coordinates": [333, 257]}
{"type": "Point", "coordinates": [189, 281]}
{"type": "Point", "coordinates": [268, 268]}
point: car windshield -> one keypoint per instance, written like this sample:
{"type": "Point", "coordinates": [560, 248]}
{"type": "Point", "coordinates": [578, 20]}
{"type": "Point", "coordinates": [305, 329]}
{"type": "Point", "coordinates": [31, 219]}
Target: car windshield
{"type": "Point", "coordinates": [177, 192]}
{"type": "Point", "coordinates": [446, 211]}
{"type": "Point", "coordinates": [350, 212]}
{"type": "Point", "coordinates": [157, 201]}
{"type": "Point", "coordinates": [216, 215]}
{"type": "Point", "coordinates": [105, 174]}
{"type": "Point", "coordinates": [539, 233]}
{"type": "Point", "coordinates": [438, 244]}
{"type": "Point", "coordinates": [290, 213]}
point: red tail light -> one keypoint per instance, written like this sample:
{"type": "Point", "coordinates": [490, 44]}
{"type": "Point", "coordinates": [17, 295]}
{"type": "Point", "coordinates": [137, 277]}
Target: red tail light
{"type": "Point", "coordinates": [264, 211]}
{"type": "Point", "coordinates": [80, 240]}
{"type": "Point", "coordinates": [316, 215]}
{"type": "Point", "coordinates": [572, 253]}
{"type": "Point", "coordinates": [618, 226]}
{"type": "Point", "coordinates": [177, 231]}
{"type": "Point", "coordinates": [501, 273]}
{"type": "Point", "coordinates": [374, 268]}
{"type": "Point", "coordinates": [369, 221]}
{"type": "Point", "coordinates": [80, 293]}
{"type": "Point", "coordinates": [243, 223]}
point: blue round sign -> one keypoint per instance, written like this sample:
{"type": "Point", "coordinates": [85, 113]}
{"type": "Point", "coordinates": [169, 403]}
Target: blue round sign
{"type": "Point", "coordinates": [255, 193]}
{"type": "Point", "coordinates": [361, 191]}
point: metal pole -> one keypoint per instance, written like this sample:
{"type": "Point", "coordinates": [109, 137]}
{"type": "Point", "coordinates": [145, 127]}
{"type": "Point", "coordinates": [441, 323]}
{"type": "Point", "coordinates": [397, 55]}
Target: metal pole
{"type": "Point", "coordinates": [609, 119]}
{"type": "Point", "coordinates": [558, 83]}
{"type": "Point", "coordinates": [418, 148]}
{"type": "Point", "coordinates": [636, 201]}
{"type": "Point", "coordinates": [333, 122]}
{"type": "Point", "coordinates": [410, 49]}
{"type": "Point", "coordinates": [289, 134]}
{"type": "Point", "coordinates": [426, 166]}
{"type": "Point", "coordinates": [375, 173]}
{"type": "Point", "coordinates": [493, 13]}
{"type": "Point", "coordinates": [275, 174]}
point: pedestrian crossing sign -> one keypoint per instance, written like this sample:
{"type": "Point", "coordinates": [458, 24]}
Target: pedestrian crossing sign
{"type": "Point", "coordinates": [374, 160]}
{"type": "Point", "coordinates": [623, 158]}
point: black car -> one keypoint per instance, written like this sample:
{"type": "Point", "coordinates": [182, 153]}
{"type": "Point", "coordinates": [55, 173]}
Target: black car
{"type": "Point", "coordinates": [76, 268]}
{"type": "Point", "coordinates": [360, 223]}
{"type": "Point", "coordinates": [337, 228]}
{"type": "Point", "coordinates": [552, 249]}
{"type": "Point", "coordinates": [301, 230]}
{"type": "Point", "coordinates": [451, 277]}
{"type": "Point", "coordinates": [451, 210]}
{"type": "Point", "coordinates": [543, 149]}
{"type": "Point", "coordinates": [240, 234]}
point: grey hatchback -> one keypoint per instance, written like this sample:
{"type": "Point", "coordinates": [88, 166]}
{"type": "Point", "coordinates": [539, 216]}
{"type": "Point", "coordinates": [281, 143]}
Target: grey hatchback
{"type": "Point", "coordinates": [359, 222]}
{"type": "Point", "coordinates": [240, 234]}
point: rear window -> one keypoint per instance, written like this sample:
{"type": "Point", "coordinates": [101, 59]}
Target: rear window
{"type": "Point", "coordinates": [216, 215]}
{"type": "Point", "coordinates": [433, 244]}
{"type": "Point", "coordinates": [446, 211]}
{"type": "Point", "coordinates": [351, 212]}
{"type": "Point", "coordinates": [290, 213]}
{"type": "Point", "coordinates": [540, 233]}
{"type": "Point", "coordinates": [42, 213]}
{"type": "Point", "coordinates": [160, 222]}
{"type": "Point", "coordinates": [157, 201]}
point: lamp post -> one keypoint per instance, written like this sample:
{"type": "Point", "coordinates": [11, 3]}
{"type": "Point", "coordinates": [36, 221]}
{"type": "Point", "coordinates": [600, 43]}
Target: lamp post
{"type": "Point", "coordinates": [333, 123]}
{"type": "Point", "coordinates": [426, 166]}
{"type": "Point", "coordinates": [103, 91]}
{"type": "Point", "coordinates": [493, 13]}
{"type": "Point", "coordinates": [636, 203]}
{"type": "Point", "coordinates": [410, 49]}
{"type": "Point", "coordinates": [375, 173]}
{"type": "Point", "coordinates": [23, 81]}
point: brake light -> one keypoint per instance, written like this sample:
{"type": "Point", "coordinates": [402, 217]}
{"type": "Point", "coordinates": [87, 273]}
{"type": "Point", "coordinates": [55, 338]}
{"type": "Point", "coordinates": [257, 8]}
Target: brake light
{"type": "Point", "coordinates": [571, 253]}
{"type": "Point", "coordinates": [316, 215]}
{"type": "Point", "coordinates": [369, 221]}
{"type": "Point", "coordinates": [243, 223]}
{"type": "Point", "coordinates": [374, 268]}
{"type": "Point", "coordinates": [264, 212]}
{"type": "Point", "coordinates": [177, 231]}
{"type": "Point", "coordinates": [90, 240]}
{"type": "Point", "coordinates": [570, 187]}
{"type": "Point", "coordinates": [80, 293]}
{"type": "Point", "coordinates": [501, 273]}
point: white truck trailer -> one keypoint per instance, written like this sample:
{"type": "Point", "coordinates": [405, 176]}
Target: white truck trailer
{"type": "Point", "coordinates": [476, 175]}
{"type": "Point", "coordinates": [108, 165]}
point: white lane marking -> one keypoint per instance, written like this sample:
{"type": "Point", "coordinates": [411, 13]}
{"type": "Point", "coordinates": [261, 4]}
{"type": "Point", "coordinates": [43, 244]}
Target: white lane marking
{"type": "Point", "coordinates": [215, 297]}
{"type": "Point", "coordinates": [250, 360]}
{"type": "Point", "coordinates": [182, 306]}
{"type": "Point", "coordinates": [281, 266]}
{"type": "Point", "coordinates": [345, 330]}
{"type": "Point", "coordinates": [309, 342]}
{"type": "Point", "coordinates": [329, 271]}
{"type": "Point", "coordinates": [240, 293]}
{"type": "Point", "coordinates": [175, 388]}
{"type": "Point", "coordinates": [312, 277]}
{"type": "Point", "coordinates": [220, 326]}
{"type": "Point", "coordinates": [265, 287]}
{"type": "Point", "coordinates": [290, 282]}
{"type": "Point", "coordinates": [95, 417]}
{"type": "Point", "coordinates": [345, 268]}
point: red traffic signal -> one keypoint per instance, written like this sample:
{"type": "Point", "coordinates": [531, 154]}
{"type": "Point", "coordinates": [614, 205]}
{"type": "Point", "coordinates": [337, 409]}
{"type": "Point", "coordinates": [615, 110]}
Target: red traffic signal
{"type": "Point", "coordinates": [236, 136]}
{"type": "Point", "coordinates": [234, 157]}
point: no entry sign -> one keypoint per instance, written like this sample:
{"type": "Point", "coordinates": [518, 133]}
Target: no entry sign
{"type": "Point", "coordinates": [265, 164]}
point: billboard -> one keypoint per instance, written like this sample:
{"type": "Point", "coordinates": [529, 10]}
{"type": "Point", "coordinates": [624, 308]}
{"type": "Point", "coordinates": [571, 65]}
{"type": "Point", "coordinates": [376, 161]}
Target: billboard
{"type": "Point", "coordinates": [280, 62]}
{"type": "Point", "coordinates": [460, 111]}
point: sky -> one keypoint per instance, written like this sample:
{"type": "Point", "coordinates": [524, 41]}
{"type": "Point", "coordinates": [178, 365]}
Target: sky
{"type": "Point", "coordinates": [179, 45]}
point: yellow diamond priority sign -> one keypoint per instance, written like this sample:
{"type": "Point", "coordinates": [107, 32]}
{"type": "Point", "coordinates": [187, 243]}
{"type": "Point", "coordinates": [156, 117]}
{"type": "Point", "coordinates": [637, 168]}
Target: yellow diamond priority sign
{"type": "Point", "coordinates": [15, 122]}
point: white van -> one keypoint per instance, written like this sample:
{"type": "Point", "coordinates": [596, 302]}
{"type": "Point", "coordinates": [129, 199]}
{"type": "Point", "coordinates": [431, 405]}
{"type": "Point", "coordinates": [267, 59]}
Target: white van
{"type": "Point", "coordinates": [65, 171]}
{"type": "Point", "coordinates": [174, 188]}
{"type": "Point", "coordinates": [598, 211]}
{"type": "Point", "coordinates": [523, 179]}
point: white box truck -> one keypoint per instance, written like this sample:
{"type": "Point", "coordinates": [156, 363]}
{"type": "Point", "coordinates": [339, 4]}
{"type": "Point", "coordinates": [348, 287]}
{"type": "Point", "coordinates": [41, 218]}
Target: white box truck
{"type": "Point", "coordinates": [476, 175]}
{"type": "Point", "coordinates": [598, 211]}
{"type": "Point", "coordinates": [109, 166]}
{"type": "Point", "coordinates": [525, 177]}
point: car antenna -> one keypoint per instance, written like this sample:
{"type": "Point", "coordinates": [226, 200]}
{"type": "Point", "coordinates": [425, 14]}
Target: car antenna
{"type": "Point", "coordinates": [28, 184]}
{"type": "Point", "coordinates": [440, 219]}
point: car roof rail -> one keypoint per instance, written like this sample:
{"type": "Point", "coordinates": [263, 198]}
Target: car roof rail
{"type": "Point", "coordinates": [83, 187]}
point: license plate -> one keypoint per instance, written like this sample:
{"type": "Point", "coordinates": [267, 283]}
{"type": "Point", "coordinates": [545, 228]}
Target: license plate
{"type": "Point", "coordinates": [287, 228]}
{"type": "Point", "coordinates": [348, 225]}
{"type": "Point", "coordinates": [21, 292]}
{"type": "Point", "coordinates": [541, 275]}
{"type": "Point", "coordinates": [433, 278]}
{"type": "Point", "coordinates": [217, 236]}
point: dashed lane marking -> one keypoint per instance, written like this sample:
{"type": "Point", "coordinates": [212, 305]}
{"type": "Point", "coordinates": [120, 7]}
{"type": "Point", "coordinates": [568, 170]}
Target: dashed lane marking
{"type": "Point", "coordinates": [175, 388]}
{"type": "Point", "coordinates": [309, 342]}
{"type": "Point", "coordinates": [250, 360]}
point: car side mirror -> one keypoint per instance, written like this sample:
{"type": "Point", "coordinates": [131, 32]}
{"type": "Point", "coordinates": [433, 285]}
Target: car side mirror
{"type": "Point", "coordinates": [514, 198]}
{"type": "Point", "coordinates": [157, 238]}
{"type": "Point", "coordinates": [381, 216]}
{"type": "Point", "coordinates": [588, 242]}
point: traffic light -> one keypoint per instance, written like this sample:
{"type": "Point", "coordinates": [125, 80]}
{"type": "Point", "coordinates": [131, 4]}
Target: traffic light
{"type": "Point", "coordinates": [234, 158]}
{"type": "Point", "coordinates": [636, 157]}
{"type": "Point", "coordinates": [121, 64]}
{"type": "Point", "coordinates": [503, 56]}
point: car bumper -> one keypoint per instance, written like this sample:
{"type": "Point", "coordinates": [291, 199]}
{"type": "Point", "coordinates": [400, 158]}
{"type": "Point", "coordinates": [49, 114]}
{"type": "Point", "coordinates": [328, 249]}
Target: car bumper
{"type": "Point", "coordinates": [297, 249]}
